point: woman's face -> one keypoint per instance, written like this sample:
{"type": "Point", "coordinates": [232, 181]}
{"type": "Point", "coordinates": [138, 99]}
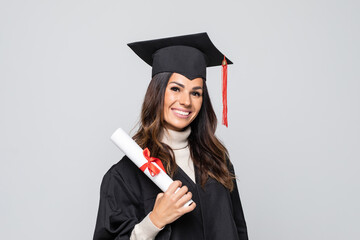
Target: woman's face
{"type": "Point", "coordinates": [182, 101]}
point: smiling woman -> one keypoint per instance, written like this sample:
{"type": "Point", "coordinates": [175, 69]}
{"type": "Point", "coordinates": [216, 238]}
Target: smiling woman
{"type": "Point", "coordinates": [182, 103]}
{"type": "Point", "coordinates": [178, 126]}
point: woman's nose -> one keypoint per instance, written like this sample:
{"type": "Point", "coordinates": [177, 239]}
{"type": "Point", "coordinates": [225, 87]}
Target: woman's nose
{"type": "Point", "coordinates": [184, 99]}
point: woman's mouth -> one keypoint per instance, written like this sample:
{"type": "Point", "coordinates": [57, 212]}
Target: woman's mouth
{"type": "Point", "coordinates": [181, 113]}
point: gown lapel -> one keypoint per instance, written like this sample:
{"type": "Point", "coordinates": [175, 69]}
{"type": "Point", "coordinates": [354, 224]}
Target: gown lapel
{"type": "Point", "coordinates": [195, 188]}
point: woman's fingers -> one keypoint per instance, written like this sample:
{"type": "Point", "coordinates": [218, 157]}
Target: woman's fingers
{"type": "Point", "coordinates": [184, 199]}
{"type": "Point", "coordinates": [173, 186]}
{"type": "Point", "coordinates": [169, 205]}
{"type": "Point", "coordinates": [180, 193]}
{"type": "Point", "coordinates": [191, 207]}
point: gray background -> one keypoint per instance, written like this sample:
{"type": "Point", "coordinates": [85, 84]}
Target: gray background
{"type": "Point", "coordinates": [68, 80]}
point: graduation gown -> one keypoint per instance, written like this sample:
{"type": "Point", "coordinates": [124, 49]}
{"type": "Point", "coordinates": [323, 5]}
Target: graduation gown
{"type": "Point", "coordinates": [127, 195]}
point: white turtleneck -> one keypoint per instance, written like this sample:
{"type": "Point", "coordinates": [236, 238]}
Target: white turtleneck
{"type": "Point", "coordinates": [178, 142]}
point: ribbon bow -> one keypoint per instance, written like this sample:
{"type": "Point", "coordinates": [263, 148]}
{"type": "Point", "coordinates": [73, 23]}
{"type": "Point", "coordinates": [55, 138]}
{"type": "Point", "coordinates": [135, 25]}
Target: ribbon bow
{"type": "Point", "coordinates": [152, 168]}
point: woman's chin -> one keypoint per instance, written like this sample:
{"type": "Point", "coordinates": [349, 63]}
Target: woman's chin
{"type": "Point", "coordinates": [177, 127]}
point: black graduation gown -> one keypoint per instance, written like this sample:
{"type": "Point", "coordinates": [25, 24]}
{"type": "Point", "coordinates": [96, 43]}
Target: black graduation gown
{"type": "Point", "coordinates": [127, 195]}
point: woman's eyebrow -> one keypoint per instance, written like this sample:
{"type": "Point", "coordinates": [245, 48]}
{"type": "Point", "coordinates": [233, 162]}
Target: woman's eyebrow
{"type": "Point", "coordinates": [181, 85]}
{"type": "Point", "coordinates": [195, 88]}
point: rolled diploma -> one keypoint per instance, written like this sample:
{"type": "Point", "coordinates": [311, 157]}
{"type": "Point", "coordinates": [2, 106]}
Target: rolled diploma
{"type": "Point", "coordinates": [135, 154]}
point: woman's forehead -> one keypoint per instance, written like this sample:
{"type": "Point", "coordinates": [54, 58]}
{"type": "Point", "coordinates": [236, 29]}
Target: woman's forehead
{"type": "Point", "coordinates": [179, 78]}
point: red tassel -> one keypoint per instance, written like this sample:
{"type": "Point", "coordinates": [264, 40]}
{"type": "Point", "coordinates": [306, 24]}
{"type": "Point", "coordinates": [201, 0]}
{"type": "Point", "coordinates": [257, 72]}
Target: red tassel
{"type": "Point", "coordinates": [224, 92]}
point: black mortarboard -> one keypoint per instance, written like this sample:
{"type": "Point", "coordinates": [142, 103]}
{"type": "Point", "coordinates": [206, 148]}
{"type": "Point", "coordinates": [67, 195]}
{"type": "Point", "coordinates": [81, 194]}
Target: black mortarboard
{"type": "Point", "coordinates": [188, 55]}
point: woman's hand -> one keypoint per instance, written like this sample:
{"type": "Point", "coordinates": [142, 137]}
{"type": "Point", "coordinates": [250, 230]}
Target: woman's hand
{"type": "Point", "coordinates": [169, 205]}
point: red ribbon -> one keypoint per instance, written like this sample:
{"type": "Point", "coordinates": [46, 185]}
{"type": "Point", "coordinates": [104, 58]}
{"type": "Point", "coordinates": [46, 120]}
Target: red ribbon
{"type": "Point", "coordinates": [152, 168]}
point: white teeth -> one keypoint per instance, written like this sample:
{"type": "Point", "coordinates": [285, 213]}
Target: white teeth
{"type": "Point", "coordinates": [182, 113]}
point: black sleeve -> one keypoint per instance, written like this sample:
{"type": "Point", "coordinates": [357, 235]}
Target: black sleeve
{"type": "Point", "coordinates": [118, 209]}
{"type": "Point", "coordinates": [237, 209]}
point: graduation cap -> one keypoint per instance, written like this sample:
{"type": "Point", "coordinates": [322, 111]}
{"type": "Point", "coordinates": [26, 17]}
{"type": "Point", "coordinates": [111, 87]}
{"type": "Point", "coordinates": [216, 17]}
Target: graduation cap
{"type": "Point", "coordinates": [188, 55]}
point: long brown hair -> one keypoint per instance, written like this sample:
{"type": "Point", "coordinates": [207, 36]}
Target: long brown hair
{"type": "Point", "coordinates": [209, 155]}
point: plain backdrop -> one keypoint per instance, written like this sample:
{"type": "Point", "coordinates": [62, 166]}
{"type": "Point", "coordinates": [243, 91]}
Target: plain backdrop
{"type": "Point", "coordinates": [68, 80]}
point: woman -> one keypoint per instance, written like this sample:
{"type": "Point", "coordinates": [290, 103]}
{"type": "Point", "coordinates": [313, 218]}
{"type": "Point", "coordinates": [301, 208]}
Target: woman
{"type": "Point", "coordinates": [178, 125]}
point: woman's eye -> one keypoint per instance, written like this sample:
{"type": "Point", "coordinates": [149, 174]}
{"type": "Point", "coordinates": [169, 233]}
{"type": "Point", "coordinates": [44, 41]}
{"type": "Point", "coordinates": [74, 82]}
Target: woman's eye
{"type": "Point", "coordinates": [175, 89]}
{"type": "Point", "coordinates": [197, 94]}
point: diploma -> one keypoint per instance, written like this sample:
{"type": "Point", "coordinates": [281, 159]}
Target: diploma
{"type": "Point", "coordinates": [136, 155]}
